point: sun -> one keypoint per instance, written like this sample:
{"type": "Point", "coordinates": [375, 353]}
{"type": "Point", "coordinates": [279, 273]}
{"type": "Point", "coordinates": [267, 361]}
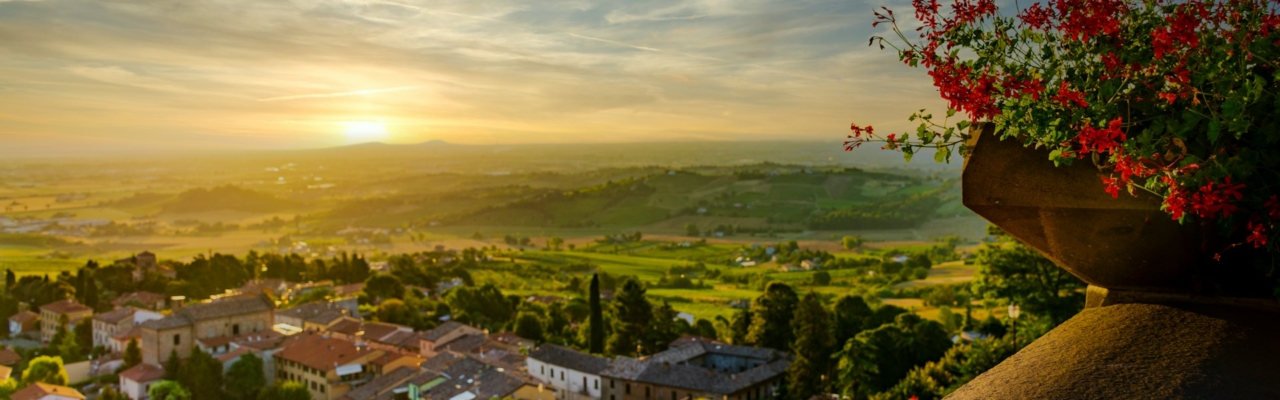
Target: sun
{"type": "Point", "coordinates": [364, 131]}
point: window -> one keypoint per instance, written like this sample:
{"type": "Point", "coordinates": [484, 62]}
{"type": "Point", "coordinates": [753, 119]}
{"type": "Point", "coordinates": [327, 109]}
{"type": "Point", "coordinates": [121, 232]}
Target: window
{"type": "Point", "coordinates": [177, 340]}
{"type": "Point", "coordinates": [646, 392]}
{"type": "Point", "coordinates": [627, 388]}
{"type": "Point", "coordinates": [562, 375]}
{"type": "Point", "coordinates": [542, 369]}
{"type": "Point", "coordinates": [584, 382]}
{"type": "Point", "coordinates": [235, 329]}
{"type": "Point", "coordinates": [673, 395]}
{"type": "Point", "coordinates": [321, 388]}
{"type": "Point", "coordinates": [597, 383]}
{"type": "Point", "coordinates": [611, 381]}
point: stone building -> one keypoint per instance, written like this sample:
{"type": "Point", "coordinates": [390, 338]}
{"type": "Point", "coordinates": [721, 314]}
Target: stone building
{"type": "Point", "coordinates": [119, 321]}
{"type": "Point", "coordinates": [573, 374]}
{"type": "Point", "coordinates": [327, 366]}
{"type": "Point", "coordinates": [53, 312]}
{"type": "Point", "coordinates": [231, 316]}
{"type": "Point", "coordinates": [697, 369]}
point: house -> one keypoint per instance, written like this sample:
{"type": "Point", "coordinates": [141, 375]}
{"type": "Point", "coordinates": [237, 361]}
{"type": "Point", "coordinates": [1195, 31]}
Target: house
{"type": "Point", "coordinates": [317, 316]}
{"type": "Point", "coordinates": [574, 375]}
{"type": "Point", "coordinates": [5, 372]}
{"type": "Point", "coordinates": [467, 378]}
{"type": "Point", "coordinates": [136, 381]}
{"type": "Point", "coordinates": [147, 300]}
{"type": "Point", "coordinates": [446, 332]}
{"type": "Point", "coordinates": [327, 366]}
{"type": "Point", "coordinates": [687, 317]}
{"type": "Point", "coordinates": [53, 312]}
{"type": "Point", "coordinates": [788, 268]}
{"type": "Point", "coordinates": [120, 340]}
{"type": "Point", "coordinates": [24, 322]}
{"type": "Point", "coordinates": [9, 358]}
{"type": "Point", "coordinates": [389, 337]}
{"type": "Point", "coordinates": [809, 265]}
{"type": "Point", "coordinates": [118, 321]}
{"type": "Point", "coordinates": [384, 385]}
{"type": "Point", "coordinates": [512, 339]}
{"type": "Point", "coordinates": [223, 317]}
{"type": "Point", "coordinates": [692, 369]}
{"type": "Point", "coordinates": [44, 391]}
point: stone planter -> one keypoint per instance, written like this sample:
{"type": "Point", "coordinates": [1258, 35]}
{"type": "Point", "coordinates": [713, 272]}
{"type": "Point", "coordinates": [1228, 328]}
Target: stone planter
{"type": "Point", "coordinates": [1125, 243]}
{"type": "Point", "coordinates": [1163, 319]}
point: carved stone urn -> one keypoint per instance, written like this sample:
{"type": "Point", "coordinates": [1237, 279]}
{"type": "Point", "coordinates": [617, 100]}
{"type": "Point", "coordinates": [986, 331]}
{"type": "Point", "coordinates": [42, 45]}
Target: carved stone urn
{"type": "Point", "coordinates": [1163, 318]}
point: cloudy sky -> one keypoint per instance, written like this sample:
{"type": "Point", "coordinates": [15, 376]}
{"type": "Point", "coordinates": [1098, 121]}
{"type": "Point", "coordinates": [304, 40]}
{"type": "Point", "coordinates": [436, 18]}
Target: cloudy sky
{"type": "Point", "coordinates": [151, 74]}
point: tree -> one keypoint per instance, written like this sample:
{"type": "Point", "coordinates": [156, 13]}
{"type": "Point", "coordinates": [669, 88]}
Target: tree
{"type": "Point", "coordinates": [394, 311]}
{"type": "Point", "coordinates": [246, 378]}
{"type": "Point", "coordinates": [855, 369]}
{"type": "Point", "coordinates": [168, 390]}
{"type": "Point", "coordinates": [771, 317]}
{"type": "Point", "coordinates": [739, 328]}
{"type": "Point", "coordinates": [813, 347]}
{"type": "Point", "coordinates": [851, 242]}
{"type": "Point", "coordinates": [9, 386]}
{"type": "Point", "coordinates": [172, 366]}
{"type": "Point", "coordinates": [285, 391]}
{"type": "Point", "coordinates": [1013, 271]}
{"type": "Point", "coordinates": [691, 230]}
{"type": "Point", "coordinates": [848, 316]}
{"type": "Point", "coordinates": [596, 345]}
{"type": "Point", "coordinates": [632, 317]}
{"type": "Point", "coordinates": [705, 328]}
{"type": "Point", "coordinates": [893, 349]}
{"type": "Point", "coordinates": [202, 375]}
{"type": "Point", "coordinates": [10, 279]}
{"type": "Point", "coordinates": [84, 334]}
{"type": "Point", "coordinates": [132, 355]}
{"type": "Point", "coordinates": [529, 326]}
{"type": "Point", "coordinates": [822, 278]}
{"type": "Point", "coordinates": [45, 369]}
{"type": "Point", "coordinates": [383, 287]}
{"type": "Point", "coordinates": [555, 242]}
{"type": "Point", "coordinates": [665, 328]}
{"type": "Point", "coordinates": [108, 393]}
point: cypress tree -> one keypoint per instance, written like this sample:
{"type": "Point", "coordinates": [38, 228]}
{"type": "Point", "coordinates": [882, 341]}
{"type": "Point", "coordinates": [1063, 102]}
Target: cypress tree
{"type": "Point", "coordinates": [597, 318]}
{"type": "Point", "coordinates": [132, 355]}
{"type": "Point", "coordinates": [10, 279]}
{"type": "Point", "coordinates": [172, 366]}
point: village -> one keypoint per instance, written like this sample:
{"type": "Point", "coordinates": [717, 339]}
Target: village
{"type": "Point", "coordinates": [333, 351]}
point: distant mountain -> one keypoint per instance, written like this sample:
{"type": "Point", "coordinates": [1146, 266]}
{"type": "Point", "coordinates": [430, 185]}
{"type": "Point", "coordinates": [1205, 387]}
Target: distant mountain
{"type": "Point", "coordinates": [231, 198]}
{"type": "Point", "coordinates": [436, 142]}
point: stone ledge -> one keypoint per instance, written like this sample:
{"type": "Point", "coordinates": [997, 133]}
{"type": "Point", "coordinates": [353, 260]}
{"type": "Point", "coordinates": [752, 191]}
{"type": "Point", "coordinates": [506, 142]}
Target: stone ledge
{"type": "Point", "coordinates": [1144, 351]}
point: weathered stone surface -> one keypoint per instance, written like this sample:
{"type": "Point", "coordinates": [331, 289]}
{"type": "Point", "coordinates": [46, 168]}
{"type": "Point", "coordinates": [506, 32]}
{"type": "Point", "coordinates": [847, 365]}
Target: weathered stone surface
{"type": "Point", "coordinates": [1144, 351]}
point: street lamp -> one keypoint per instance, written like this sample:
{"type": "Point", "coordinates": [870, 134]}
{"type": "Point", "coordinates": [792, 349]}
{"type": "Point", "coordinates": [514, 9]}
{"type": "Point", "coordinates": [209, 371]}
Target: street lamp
{"type": "Point", "coordinates": [1013, 316]}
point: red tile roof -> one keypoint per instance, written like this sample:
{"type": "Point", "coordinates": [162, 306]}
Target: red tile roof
{"type": "Point", "coordinates": [39, 390]}
{"type": "Point", "coordinates": [9, 357]}
{"type": "Point", "coordinates": [320, 351]}
{"type": "Point", "coordinates": [143, 298]}
{"type": "Point", "coordinates": [24, 317]}
{"type": "Point", "coordinates": [143, 373]}
{"type": "Point", "coordinates": [65, 307]}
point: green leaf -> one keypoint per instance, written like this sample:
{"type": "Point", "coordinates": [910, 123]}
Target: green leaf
{"type": "Point", "coordinates": [1215, 130]}
{"type": "Point", "coordinates": [951, 113]}
{"type": "Point", "coordinates": [943, 155]}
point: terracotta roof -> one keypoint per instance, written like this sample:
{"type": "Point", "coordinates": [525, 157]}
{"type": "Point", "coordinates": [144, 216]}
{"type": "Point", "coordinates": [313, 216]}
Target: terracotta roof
{"type": "Point", "coordinates": [349, 326]}
{"type": "Point", "coordinates": [386, 382]}
{"type": "Point", "coordinates": [115, 316]}
{"type": "Point", "coordinates": [65, 307]}
{"type": "Point", "coordinates": [463, 344]}
{"type": "Point", "coordinates": [440, 362]}
{"type": "Point", "coordinates": [389, 358]}
{"type": "Point", "coordinates": [439, 331]}
{"type": "Point", "coordinates": [320, 352]}
{"type": "Point", "coordinates": [144, 298]}
{"type": "Point", "coordinates": [348, 289]}
{"type": "Point", "coordinates": [323, 312]}
{"type": "Point", "coordinates": [5, 372]}
{"type": "Point", "coordinates": [143, 373]}
{"type": "Point", "coordinates": [24, 317]}
{"type": "Point", "coordinates": [39, 390]}
{"type": "Point", "coordinates": [569, 358]}
{"type": "Point", "coordinates": [233, 354]}
{"type": "Point", "coordinates": [509, 338]}
{"type": "Point", "coordinates": [9, 357]}
{"type": "Point", "coordinates": [134, 332]}
{"type": "Point", "coordinates": [379, 331]}
{"type": "Point", "coordinates": [228, 307]}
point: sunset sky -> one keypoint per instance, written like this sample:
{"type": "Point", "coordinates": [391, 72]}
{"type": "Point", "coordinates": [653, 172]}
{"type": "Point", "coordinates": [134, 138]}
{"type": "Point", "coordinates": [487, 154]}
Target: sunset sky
{"type": "Point", "coordinates": [214, 74]}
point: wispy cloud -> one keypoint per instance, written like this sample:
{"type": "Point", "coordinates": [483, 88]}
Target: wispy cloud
{"type": "Point", "coordinates": [340, 94]}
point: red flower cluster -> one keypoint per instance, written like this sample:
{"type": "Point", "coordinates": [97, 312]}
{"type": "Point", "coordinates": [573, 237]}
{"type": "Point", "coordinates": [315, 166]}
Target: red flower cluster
{"type": "Point", "coordinates": [1105, 140]}
{"type": "Point", "coordinates": [1067, 97]}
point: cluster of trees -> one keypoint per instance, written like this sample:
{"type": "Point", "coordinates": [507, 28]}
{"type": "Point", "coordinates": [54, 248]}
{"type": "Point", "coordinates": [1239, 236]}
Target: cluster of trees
{"type": "Point", "coordinates": [201, 377]}
{"type": "Point", "coordinates": [907, 212]}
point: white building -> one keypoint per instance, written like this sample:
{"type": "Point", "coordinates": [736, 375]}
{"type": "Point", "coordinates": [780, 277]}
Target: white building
{"type": "Point", "coordinates": [119, 321]}
{"type": "Point", "coordinates": [573, 374]}
{"type": "Point", "coordinates": [136, 381]}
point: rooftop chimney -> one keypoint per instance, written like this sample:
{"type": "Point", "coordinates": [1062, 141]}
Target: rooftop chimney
{"type": "Point", "coordinates": [176, 302]}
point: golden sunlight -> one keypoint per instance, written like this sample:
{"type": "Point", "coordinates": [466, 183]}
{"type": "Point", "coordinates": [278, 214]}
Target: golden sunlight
{"type": "Point", "coordinates": [364, 131]}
